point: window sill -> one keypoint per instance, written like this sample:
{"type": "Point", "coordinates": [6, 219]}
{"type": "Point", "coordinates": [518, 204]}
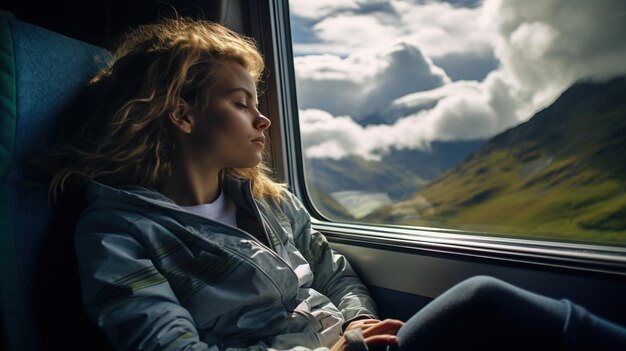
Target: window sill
{"type": "Point", "coordinates": [577, 256]}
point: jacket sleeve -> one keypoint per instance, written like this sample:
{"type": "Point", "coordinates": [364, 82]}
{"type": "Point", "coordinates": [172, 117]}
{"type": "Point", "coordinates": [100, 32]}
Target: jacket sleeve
{"type": "Point", "coordinates": [127, 297]}
{"type": "Point", "coordinates": [333, 275]}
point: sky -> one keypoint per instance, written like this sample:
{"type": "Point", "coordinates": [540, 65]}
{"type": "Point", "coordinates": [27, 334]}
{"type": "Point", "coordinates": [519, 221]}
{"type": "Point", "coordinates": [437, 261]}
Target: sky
{"type": "Point", "coordinates": [441, 70]}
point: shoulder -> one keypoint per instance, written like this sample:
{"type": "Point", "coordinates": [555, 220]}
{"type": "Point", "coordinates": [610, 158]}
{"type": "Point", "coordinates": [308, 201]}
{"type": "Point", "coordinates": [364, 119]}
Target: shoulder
{"type": "Point", "coordinates": [110, 210]}
{"type": "Point", "coordinates": [288, 207]}
{"type": "Point", "coordinates": [288, 203]}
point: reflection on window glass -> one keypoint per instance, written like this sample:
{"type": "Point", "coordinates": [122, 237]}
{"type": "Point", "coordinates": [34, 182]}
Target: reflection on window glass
{"type": "Point", "coordinates": [501, 117]}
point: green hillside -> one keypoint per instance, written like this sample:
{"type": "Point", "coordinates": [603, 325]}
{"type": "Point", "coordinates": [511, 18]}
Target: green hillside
{"type": "Point", "coordinates": [561, 175]}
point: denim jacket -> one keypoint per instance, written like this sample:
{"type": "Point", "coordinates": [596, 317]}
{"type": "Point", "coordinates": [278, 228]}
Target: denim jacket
{"type": "Point", "coordinates": [155, 276]}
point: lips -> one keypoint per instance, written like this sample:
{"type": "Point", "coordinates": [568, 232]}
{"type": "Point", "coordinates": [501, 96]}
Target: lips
{"type": "Point", "coordinates": [259, 140]}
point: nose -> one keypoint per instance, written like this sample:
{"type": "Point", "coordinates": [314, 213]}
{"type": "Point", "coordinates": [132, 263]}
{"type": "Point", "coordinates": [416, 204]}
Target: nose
{"type": "Point", "coordinates": [261, 122]}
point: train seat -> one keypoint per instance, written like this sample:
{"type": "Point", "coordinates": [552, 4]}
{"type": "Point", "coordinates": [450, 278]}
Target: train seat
{"type": "Point", "coordinates": [40, 304]}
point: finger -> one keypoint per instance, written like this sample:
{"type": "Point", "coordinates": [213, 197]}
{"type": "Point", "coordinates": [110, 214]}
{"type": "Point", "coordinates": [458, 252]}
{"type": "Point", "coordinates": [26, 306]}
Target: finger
{"type": "Point", "coordinates": [388, 323]}
{"type": "Point", "coordinates": [370, 321]}
{"type": "Point", "coordinates": [379, 331]}
{"type": "Point", "coordinates": [388, 326]}
{"type": "Point", "coordinates": [394, 321]}
{"type": "Point", "coordinates": [366, 322]}
{"type": "Point", "coordinates": [362, 324]}
{"type": "Point", "coordinates": [381, 339]}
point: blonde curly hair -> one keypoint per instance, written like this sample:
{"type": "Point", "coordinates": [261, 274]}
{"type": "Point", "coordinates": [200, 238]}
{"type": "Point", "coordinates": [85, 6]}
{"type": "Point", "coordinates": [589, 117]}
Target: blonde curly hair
{"type": "Point", "coordinates": [125, 137]}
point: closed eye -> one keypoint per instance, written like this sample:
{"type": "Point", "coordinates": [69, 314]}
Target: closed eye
{"type": "Point", "coordinates": [241, 106]}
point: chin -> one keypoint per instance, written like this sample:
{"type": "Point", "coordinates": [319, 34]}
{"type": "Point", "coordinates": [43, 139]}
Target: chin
{"type": "Point", "coordinates": [250, 163]}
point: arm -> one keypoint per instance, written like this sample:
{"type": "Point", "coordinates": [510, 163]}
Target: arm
{"type": "Point", "coordinates": [333, 275]}
{"type": "Point", "coordinates": [127, 297]}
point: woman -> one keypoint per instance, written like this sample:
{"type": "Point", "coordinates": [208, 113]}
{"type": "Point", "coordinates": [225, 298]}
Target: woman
{"type": "Point", "coordinates": [187, 244]}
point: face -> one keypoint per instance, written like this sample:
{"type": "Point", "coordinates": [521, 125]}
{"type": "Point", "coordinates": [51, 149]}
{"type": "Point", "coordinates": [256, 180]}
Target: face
{"type": "Point", "coordinates": [229, 132]}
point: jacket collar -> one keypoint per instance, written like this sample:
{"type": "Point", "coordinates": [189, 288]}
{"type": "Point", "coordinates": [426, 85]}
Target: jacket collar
{"type": "Point", "coordinates": [134, 196]}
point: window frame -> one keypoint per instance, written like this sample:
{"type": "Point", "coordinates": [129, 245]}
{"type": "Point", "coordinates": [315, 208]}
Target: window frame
{"type": "Point", "coordinates": [541, 253]}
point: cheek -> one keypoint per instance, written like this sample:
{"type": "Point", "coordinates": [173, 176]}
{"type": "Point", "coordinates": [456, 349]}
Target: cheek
{"type": "Point", "coordinates": [223, 122]}
{"type": "Point", "coordinates": [226, 141]}
{"type": "Point", "coordinates": [216, 131]}
{"type": "Point", "coordinates": [233, 129]}
{"type": "Point", "coordinates": [225, 132]}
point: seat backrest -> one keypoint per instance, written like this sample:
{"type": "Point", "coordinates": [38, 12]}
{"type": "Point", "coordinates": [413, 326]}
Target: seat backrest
{"type": "Point", "coordinates": [40, 305]}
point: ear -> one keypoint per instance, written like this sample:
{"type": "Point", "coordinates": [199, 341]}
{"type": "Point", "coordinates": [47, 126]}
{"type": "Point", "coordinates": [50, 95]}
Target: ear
{"type": "Point", "coordinates": [181, 118]}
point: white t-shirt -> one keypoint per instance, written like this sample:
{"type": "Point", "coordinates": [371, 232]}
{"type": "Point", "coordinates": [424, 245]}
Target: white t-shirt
{"type": "Point", "coordinates": [223, 209]}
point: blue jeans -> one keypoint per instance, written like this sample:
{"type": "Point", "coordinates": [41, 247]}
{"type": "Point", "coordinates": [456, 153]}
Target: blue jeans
{"type": "Point", "coordinates": [484, 313]}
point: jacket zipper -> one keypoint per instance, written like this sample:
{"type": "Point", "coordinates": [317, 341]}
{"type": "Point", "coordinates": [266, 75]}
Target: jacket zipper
{"type": "Point", "coordinates": [247, 259]}
{"type": "Point", "coordinates": [257, 213]}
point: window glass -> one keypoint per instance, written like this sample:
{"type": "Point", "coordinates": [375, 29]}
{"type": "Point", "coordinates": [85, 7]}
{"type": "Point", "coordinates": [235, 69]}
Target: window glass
{"type": "Point", "coordinates": [498, 117]}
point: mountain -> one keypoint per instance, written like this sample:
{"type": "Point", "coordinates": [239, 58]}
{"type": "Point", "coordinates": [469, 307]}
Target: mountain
{"type": "Point", "coordinates": [355, 173]}
{"type": "Point", "coordinates": [397, 176]}
{"type": "Point", "coordinates": [432, 163]}
{"type": "Point", "coordinates": [560, 175]}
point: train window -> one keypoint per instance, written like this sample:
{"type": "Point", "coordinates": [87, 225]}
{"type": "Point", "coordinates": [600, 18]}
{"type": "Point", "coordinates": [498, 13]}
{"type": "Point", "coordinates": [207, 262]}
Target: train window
{"type": "Point", "coordinates": [492, 117]}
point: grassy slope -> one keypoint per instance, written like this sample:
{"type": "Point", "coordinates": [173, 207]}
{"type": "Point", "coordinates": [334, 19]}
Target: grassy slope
{"type": "Point", "coordinates": [567, 204]}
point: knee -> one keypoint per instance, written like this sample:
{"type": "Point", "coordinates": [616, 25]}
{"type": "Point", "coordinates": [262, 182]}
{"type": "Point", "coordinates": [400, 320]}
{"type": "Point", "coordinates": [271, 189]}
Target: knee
{"type": "Point", "coordinates": [482, 289]}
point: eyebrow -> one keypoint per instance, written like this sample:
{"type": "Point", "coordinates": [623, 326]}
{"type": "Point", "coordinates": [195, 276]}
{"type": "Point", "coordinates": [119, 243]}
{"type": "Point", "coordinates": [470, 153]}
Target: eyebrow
{"type": "Point", "coordinates": [248, 93]}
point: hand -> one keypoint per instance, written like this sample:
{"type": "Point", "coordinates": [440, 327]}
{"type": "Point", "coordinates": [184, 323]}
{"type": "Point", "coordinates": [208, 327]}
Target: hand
{"type": "Point", "coordinates": [374, 331]}
{"type": "Point", "coordinates": [361, 324]}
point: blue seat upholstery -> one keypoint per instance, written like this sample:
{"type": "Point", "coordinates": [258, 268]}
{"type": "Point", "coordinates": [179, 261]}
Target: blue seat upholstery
{"type": "Point", "coordinates": [41, 72]}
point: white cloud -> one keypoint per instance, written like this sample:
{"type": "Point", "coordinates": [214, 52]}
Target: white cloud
{"type": "Point", "coordinates": [324, 135]}
{"type": "Point", "coordinates": [320, 8]}
{"type": "Point", "coordinates": [437, 28]}
{"type": "Point", "coordinates": [464, 116]}
{"type": "Point", "coordinates": [351, 32]}
{"type": "Point", "coordinates": [440, 29]}
{"type": "Point", "coordinates": [462, 111]}
{"type": "Point", "coordinates": [365, 81]}
{"type": "Point", "coordinates": [545, 46]}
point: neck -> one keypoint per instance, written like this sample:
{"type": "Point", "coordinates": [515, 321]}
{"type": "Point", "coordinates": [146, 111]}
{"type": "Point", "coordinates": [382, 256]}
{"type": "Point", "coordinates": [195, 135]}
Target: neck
{"type": "Point", "coordinates": [191, 185]}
